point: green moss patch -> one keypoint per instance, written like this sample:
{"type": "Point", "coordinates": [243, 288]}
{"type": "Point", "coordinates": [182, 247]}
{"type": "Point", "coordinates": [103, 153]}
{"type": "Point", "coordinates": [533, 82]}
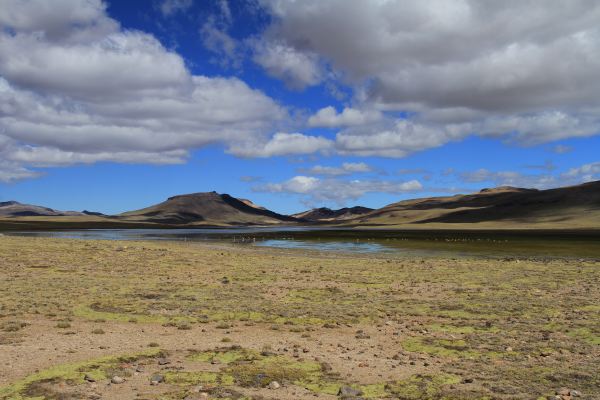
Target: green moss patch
{"type": "Point", "coordinates": [71, 373]}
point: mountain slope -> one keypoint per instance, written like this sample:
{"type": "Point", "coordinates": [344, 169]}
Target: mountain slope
{"type": "Point", "coordinates": [327, 214]}
{"type": "Point", "coordinates": [209, 208]}
{"type": "Point", "coordinates": [568, 206]}
{"type": "Point", "coordinates": [16, 209]}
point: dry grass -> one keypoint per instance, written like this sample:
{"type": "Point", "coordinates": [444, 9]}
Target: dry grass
{"type": "Point", "coordinates": [519, 329]}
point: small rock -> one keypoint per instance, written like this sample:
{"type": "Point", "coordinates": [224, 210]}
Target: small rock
{"type": "Point", "coordinates": [575, 393]}
{"type": "Point", "coordinates": [348, 392]}
{"type": "Point", "coordinates": [139, 368]}
{"type": "Point", "coordinates": [156, 379]}
{"type": "Point", "coordinates": [274, 385]}
{"type": "Point", "coordinates": [117, 380]}
{"type": "Point", "coordinates": [163, 361]}
{"type": "Point", "coordinates": [468, 380]}
{"type": "Point", "coordinates": [88, 378]}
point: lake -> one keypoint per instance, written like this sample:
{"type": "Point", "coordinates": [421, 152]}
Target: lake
{"type": "Point", "coordinates": [415, 242]}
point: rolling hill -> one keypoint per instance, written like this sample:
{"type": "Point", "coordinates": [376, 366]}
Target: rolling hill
{"type": "Point", "coordinates": [506, 207]}
{"type": "Point", "coordinates": [573, 206]}
{"type": "Point", "coordinates": [327, 214]}
{"type": "Point", "coordinates": [210, 208]}
{"type": "Point", "coordinates": [16, 209]}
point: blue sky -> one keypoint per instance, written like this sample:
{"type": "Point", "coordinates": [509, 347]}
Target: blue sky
{"type": "Point", "coordinates": [113, 106]}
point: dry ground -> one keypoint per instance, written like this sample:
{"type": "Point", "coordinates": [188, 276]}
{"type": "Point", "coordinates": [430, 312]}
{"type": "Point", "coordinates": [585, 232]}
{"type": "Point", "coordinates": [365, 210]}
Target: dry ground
{"type": "Point", "coordinates": [217, 321]}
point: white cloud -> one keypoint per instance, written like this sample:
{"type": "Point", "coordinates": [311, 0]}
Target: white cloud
{"type": "Point", "coordinates": [346, 168]}
{"type": "Point", "coordinates": [396, 140]}
{"type": "Point", "coordinates": [315, 190]}
{"type": "Point", "coordinates": [171, 7]}
{"type": "Point", "coordinates": [282, 144]}
{"type": "Point", "coordinates": [330, 118]}
{"type": "Point", "coordinates": [585, 173]}
{"type": "Point", "coordinates": [76, 88]}
{"type": "Point", "coordinates": [296, 68]}
{"type": "Point", "coordinates": [525, 71]}
{"type": "Point", "coordinates": [298, 184]}
{"type": "Point", "coordinates": [70, 20]}
{"type": "Point", "coordinates": [12, 172]}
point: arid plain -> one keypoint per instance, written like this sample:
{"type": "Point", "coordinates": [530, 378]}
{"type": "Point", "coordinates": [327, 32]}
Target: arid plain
{"type": "Point", "coordinates": [165, 320]}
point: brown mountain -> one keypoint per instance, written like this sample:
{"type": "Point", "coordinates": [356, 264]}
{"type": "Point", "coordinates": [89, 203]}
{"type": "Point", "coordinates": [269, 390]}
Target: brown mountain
{"type": "Point", "coordinates": [209, 208]}
{"type": "Point", "coordinates": [16, 209]}
{"type": "Point", "coordinates": [573, 206]}
{"type": "Point", "coordinates": [327, 214]}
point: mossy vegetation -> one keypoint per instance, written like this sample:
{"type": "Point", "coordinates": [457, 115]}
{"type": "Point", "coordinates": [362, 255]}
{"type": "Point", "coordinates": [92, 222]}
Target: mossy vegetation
{"type": "Point", "coordinates": [496, 320]}
{"type": "Point", "coordinates": [97, 369]}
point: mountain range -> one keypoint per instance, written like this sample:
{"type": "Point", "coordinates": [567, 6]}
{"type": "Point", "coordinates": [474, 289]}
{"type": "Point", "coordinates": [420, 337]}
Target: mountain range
{"type": "Point", "coordinates": [501, 207]}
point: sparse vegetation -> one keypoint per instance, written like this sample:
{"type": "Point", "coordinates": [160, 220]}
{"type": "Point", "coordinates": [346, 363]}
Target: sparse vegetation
{"type": "Point", "coordinates": [418, 328]}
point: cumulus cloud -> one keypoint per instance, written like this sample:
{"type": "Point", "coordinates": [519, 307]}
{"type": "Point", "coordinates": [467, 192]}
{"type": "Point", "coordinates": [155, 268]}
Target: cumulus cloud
{"type": "Point", "coordinates": [525, 71]}
{"type": "Point", "coordinates": [282, 144]}
{"type": "Point", "coordinates": [346, 168]}
{"type": "Point", "coordinates": [314, 190]}
{"type": "Point", "coordinates": [330, 118]}
{"type": "Point", "coordinates": [296, 68]}
{"type": "Point", "coordinates": [394, 139]}
{"type": "Point", "coordinates": [76, 88]}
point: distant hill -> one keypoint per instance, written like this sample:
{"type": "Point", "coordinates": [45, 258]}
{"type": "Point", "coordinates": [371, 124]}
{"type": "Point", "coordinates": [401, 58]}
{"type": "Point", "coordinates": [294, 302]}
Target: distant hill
{"type": "Point", "coordinates": [16, 209]}
{"type": "Point", "coordinates": [573, 206]}
{"type": "Point", "coordinates": [496, 208]}
{"type": "Point", "coordinates": [210, 208]}
{"type": "Point", "coordinates": [327, 214]}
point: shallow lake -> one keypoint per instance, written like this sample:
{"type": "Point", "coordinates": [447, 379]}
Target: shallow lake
{"type": "Point", "coordinates": [435, 243]}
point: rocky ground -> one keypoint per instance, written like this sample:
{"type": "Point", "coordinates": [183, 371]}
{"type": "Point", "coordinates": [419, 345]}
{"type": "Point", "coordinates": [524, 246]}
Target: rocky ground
{"type": "Point", "coordinates": [160, 320]}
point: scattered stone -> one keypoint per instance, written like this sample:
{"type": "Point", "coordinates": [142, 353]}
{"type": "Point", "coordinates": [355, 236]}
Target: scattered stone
{"type": "Point", "coordinates": [347, 392]}
{"type": "Point", "coordinates": [88, 378]}
{"type": "Point", "coordinates": [360, 334]}
{"type": "Point", "coordinates": [156, 379]}
{"type": "Point", "coordinates": [117, 380]}
{"type": "Point", "coordinates": [468, 380]}
{"type": "Point", "coordinates": [163, 361]}
{"type": "Point", "coordinates": [274, 385]}
{"type": "Point", "coordinates": [575, 393]}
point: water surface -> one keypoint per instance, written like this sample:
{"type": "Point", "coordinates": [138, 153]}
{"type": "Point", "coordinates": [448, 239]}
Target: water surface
{"type": "Point", "coordinates": [446, 243]}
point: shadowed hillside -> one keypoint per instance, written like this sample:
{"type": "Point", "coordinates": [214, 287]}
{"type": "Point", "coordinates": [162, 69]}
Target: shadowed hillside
{"type": "Point", "coordinates": [327, 214]}
{"type": "Point", "coordinates": [207, 208]}
{"type": "Point", "coordinates": [16, 209]}
{"type": "Point", "coordinates": [572, 206]}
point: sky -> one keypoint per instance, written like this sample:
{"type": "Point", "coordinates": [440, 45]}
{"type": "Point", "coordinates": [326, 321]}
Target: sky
{"type": "Point", "coordinates": [116, 105]}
